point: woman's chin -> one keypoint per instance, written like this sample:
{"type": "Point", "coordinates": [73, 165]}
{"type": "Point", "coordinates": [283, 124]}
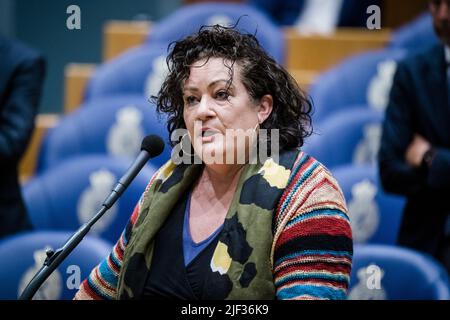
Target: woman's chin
{"type": "Point", "coordinates": [212, 154]}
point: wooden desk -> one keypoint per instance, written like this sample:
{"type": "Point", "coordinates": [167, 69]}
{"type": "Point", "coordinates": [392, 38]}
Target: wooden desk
{"type": "Point", "coordinates": [27, 166]}
{"type": "Point", "coordinates": [303, 52]}
{"type": "Point", "coordinates": [304, 78]}
{"type": "Point", "coordinates": [119, 36]}
{"type": "Point", "coordinates": [318, 53]}
{"type": "Point", "coordinates": [76, 76]}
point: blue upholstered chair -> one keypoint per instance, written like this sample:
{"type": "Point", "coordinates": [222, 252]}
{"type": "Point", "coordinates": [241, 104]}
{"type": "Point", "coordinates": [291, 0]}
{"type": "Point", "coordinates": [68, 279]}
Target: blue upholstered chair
{"type": "Point", "coordinates": [363, 80]}
{"type": "Point", "coordinates": [415, 36]}
{"type": "Point", "coordinates": [23, 255]}
{"type": "Point", "coordinates": [348, 137]}
{"type": "Point", "coordinates": [382, 272]}
{"type": "Point", "coordinates": [188, 19]}
{"type": "Point", "coordinates": [139, 71]}
{"type": "Point", "coordinates": [375, 216]}
{"type": "Point", "coordinates": [112, 126]}
{"type": "Point", "coordinates": [69, 194]}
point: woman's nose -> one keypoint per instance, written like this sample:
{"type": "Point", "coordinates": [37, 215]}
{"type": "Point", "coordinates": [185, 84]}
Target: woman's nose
{"type": "Point", "coordinates": [204, 109]}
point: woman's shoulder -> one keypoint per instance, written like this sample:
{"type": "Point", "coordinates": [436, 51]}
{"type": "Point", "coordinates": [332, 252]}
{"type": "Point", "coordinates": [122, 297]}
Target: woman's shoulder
{"type": "Point", "coordinates": [312, 183]}
{"type": "Point", "coordinates": [312, 204]}
{"type": "Point", "coordinates": [307, 169]}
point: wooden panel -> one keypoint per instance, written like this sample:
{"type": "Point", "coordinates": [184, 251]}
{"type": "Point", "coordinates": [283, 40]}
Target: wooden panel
{"type": "Point", "coordinates": [313, 52]}
{"type": "Point", "coordinates": [306, 55]}
{"type": "Point", "coordinates": [27, 166]}
{"type": "Point", "coordinates": [119, 36]}
{"type": "Point", "coordinates": [318, 53]}
{"type": "Point", "coordinates": [304, 78]}
{"type": "Point", "coordinates": [76, 77]}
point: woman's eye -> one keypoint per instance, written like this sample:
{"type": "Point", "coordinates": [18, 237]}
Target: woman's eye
{"type": "Point", "coordinates": [190, 100]}
{"type": "Point", "coordinates": [222, 95]}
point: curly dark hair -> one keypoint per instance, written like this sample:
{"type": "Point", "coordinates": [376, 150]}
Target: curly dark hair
{"type": "Point", "coordinates": [260, 74]}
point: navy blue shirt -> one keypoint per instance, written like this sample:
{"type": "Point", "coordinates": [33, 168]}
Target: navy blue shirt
{"type": "Point", "coordinates": [173, 275]}
{"type": "Point", "coordinates": [190, 248]}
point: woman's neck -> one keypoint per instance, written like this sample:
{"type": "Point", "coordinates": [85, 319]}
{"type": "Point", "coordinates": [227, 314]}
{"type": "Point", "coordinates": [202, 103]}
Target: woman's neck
{"type": "Point", "coordinates": [222, 178]}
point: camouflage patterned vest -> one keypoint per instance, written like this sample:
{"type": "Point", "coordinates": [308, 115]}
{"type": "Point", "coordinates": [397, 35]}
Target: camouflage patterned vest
{"type": "Point", "coordinates": [241, 262]}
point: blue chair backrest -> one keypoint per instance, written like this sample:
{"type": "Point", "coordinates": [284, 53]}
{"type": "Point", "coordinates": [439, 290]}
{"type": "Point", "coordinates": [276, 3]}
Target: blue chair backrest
{"type": "Point", "coordinates": [114, 126]}
{"type": "Point", "coordinates": [382, 272]}
{"type": "Point", "coordinates": [375, 216]}
{"type": "Point", "coordinates": [23, 255]}
{"type": "Point", "coordinates": [415, 36]}
{"type": "Point", "coordinates": [350, 136]}
{"type": "Point", "coordinates": [138, 71]}
{"type": "Point", "coordinates": [364, 79]}
{"type": "Point", "coordinates": [188, 19]}
{"type": "Point", "coordinates": [69, 194]}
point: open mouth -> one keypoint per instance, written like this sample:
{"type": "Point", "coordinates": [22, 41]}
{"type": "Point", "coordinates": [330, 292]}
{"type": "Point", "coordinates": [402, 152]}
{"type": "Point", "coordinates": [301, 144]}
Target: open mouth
{"type": "Point", "coordinates": [208, 133]}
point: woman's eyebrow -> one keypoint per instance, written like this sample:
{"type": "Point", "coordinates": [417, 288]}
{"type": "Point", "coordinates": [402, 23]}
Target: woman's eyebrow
{"type": "Point", "coordinates": [215, 82]}
{"type": "Point", "coordinates": [190, 88]}
{"type": "Point", "coordinates": [212, 84]}
{"type": "Point", "coordinates": [227, 82]}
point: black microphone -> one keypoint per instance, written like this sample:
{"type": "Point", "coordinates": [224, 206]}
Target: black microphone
{"type": "Point", "coordinates": [151, 147]}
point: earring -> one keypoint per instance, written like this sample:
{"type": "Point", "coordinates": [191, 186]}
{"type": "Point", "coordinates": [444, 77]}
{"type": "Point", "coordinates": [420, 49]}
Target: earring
{"type": "Point", "coordinates": [255, 133]}
{"type": "Point", "coordinates": [256, 127]}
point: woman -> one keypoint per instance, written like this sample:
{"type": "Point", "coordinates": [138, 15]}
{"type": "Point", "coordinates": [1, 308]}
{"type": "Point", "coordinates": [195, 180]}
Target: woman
{"type": "Point", "coordinates": [272, 228]}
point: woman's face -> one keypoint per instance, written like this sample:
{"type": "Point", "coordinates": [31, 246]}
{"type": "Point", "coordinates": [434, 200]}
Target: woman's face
{"type": "Point", "coordinates": [217, 113]}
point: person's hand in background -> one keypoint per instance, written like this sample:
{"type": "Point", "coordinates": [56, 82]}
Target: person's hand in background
{"type": "Point", "coordinates": [416, 150]}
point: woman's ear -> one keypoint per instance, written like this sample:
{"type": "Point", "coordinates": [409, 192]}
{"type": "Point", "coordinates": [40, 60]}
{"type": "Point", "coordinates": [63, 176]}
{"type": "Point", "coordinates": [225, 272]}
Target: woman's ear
{"type": "Point", "coordinates": [265, 108]}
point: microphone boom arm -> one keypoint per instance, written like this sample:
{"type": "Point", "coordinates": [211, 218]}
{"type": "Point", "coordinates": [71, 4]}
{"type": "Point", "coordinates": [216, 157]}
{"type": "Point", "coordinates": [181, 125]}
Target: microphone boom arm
{"type": "Point", "coordinates": [55, 258]}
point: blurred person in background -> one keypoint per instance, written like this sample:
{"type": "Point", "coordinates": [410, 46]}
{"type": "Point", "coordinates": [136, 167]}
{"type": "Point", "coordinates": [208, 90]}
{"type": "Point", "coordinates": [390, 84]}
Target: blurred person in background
{"type": "Point", "coordinates": [22, 72]}
{"type": "Point", "coordinates": [414, 157]}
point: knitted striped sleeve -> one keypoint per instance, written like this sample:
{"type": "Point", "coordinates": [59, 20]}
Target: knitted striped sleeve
{"type": "Point", "coordinates": [312, 249]}
{"type": "Point", "coordinates": [103, 279]}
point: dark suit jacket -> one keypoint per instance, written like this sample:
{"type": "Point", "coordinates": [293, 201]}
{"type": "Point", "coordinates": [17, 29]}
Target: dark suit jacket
{"type": "Point", "coordinates": [21, 78]}
{"type": "Point", "coordinates": [419, 103]}
{"type": "Point", "coordinates": [286, 12]}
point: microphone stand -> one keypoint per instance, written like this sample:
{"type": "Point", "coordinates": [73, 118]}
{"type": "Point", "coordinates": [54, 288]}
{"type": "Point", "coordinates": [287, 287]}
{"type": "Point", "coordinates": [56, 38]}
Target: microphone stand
{"type": "Point", "coordinates": [55, 258]}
